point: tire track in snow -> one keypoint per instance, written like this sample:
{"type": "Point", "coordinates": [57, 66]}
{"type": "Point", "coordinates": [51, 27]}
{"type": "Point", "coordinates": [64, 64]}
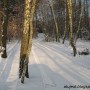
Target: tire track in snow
{"type": "Point", "coordinates": [8, 78]}
{"type": "Point", "coordinates": [46, 80]}
{"type": "Point", "coordinates": [3, 62]}
{"type": "Point", "coordinates": [8, 49]}
{"type": "Point", "coordinates": [14, 76]}
{"type": "Point", "coordinates": [84, 67]}
{"type": "Point", "coordinates": [61, 54]}
{"type": "Point", "coordinates": [12, 46]}
{"type": "Point", "coordinates": [72, 80]}
{"type": "Point", "coordinates": [66, 55]}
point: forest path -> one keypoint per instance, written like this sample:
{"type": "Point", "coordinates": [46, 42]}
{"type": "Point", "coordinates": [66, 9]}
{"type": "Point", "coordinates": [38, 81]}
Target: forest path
{"type": "Point", "coordinates": [62, 68]}
{"type": "Point", "coordinates": [51, 67]}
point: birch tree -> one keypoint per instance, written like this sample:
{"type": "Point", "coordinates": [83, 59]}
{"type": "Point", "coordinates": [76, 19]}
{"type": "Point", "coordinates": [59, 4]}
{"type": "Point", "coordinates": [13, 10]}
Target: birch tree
{"type": "Point", "coordinates": [69, 3]}
{"type": "Point", "coordinates": [64, 36]}
{"type": "Point", "coordinates": [26, 42]}
{"type": "Point", "coordinates": [55, 21]}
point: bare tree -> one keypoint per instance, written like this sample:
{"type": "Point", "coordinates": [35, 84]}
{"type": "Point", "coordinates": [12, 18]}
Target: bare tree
{"type": "Point", "coordinates": [69, 3]}
{"type": "Point", "coordinates": [5, 24]}
{"type": "Point", "coordinates": [26, 42]}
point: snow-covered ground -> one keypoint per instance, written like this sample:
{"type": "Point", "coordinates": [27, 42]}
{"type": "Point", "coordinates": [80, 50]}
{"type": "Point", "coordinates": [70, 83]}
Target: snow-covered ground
{"type": "Point", "coordinates": [51, 67]}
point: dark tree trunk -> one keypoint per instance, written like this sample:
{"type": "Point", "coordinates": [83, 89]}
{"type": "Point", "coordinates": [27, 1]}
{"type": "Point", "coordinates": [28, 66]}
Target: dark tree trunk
{"type": "Point", "coordinates": [4, 38]}
{"type": "Point", "coordinates": [23, 68]}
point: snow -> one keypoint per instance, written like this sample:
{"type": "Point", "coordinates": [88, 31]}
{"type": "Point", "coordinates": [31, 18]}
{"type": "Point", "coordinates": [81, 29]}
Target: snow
{"type": "Point", "coordinates": [51, 67]}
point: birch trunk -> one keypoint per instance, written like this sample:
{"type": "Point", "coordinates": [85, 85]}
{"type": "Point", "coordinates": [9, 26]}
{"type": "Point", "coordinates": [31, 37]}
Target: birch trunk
{"type": "Point", "coordinates": [26, 42]}
{"type": "Point", "coordinates": [65, 22]}
{"type": "Point", "coordinates": [56, 25]}
{"type": "Point", "coordinates": [69, 3]}
{"type": "Point", "coordinates": [77, 33]}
